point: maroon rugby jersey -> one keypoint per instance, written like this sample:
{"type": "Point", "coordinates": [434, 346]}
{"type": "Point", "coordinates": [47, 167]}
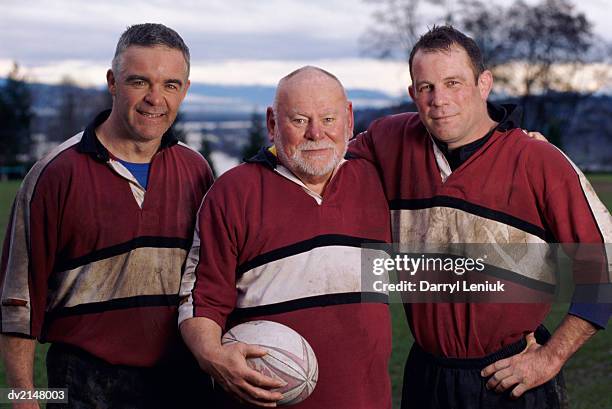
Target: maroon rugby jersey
{"type": "Point", "coordinates": [514, 189]}
{"type": "Point", "coordinates": [268, 250]}
{"type": "Point", "coordinates": [93, 260]}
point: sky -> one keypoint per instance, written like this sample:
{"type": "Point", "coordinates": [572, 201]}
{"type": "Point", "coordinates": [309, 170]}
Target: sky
{"type": "Point", "coordinates": [231, 41]}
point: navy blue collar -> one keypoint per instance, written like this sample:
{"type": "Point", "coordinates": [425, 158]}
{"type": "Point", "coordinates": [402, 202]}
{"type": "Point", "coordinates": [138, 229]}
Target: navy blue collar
{"type": "Point", "coordinates": [91, 145]}
{"type": "Point", "coordinates": [264, 157]}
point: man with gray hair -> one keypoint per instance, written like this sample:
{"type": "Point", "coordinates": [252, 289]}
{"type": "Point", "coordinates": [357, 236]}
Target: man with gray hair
{"type": "Point", "coordinates": [97, 236]}
{"type": "Point", "coordinates": [279, 238]}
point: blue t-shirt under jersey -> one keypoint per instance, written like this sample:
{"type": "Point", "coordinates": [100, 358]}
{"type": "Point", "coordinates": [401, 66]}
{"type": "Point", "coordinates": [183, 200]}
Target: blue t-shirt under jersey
{"type": "Point", "coordinates": [139, 170]}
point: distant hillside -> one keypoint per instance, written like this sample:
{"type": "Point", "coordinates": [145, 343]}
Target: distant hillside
{"type": "Point", "coordinates": [580, 124]}
{"type": "Point", "coordinates": [202, 99]}
{"type": "Point", "coordinates": [245, 98]}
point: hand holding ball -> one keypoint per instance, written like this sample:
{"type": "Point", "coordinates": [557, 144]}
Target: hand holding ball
{"type": "Point", "coordinates": [290, 357]}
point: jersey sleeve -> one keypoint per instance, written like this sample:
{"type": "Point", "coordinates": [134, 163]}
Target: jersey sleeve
{"type": "Point", "coordinates": [597, 314]}
{"type": "Point", "coordinates": [29, 255]}
{"type": "Point", "coordinates": [578, 218]}
{"type": "Point", "coordinates": [208, 286]}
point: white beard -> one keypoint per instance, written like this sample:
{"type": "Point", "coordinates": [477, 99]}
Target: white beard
{"type": "Point", "coordinates": [297, 162]}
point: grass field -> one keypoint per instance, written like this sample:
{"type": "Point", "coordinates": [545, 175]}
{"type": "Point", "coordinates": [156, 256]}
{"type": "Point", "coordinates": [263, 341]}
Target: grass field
{"type": "Point", "coordinates": [588, 373]}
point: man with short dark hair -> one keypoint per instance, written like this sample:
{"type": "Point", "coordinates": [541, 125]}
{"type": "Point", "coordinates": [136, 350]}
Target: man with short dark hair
{"type": "Point", "coordinates": [97, 237]}
{"type": "Point", "coordinates": [462, 171]}
{"type": "Point", "coordinates": [279, 238]}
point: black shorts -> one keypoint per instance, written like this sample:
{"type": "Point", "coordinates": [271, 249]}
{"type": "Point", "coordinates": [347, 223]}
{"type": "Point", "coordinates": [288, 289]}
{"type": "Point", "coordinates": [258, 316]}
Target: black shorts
{"type": "Point", "coordinates": [94, 383]}
{"type": "Point", "coordinates": [432, 382]}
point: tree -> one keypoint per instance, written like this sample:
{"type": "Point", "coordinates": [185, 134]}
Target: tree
{"type": "Point", "coordinates": [542, 48]}
{"type": "Point", "coordinates": [487, 26]}
{"type": "Point", "coordinates": [257, 136]}
{"type": "Point", "coordinates": [397, 25]}
{"type": "Point", "coordinates": [536, 38]}
{"type": "Point", "coordinates": [531, 49]}
{"type": "Point", "coordinates": [15, 118]}
{"type": "Point", "coordinates": [548, 33]}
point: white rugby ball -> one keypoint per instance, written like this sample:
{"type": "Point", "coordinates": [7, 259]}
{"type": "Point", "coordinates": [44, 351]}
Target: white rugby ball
{"type": "Point", "coordinates": [289, 357]}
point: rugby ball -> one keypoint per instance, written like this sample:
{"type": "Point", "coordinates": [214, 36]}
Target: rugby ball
{"type": "Point", "coordinates": [289, 357]}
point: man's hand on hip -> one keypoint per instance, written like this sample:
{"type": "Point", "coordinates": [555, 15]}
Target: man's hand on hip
{"type": "Point", "coordinates": [532, 367]}
{"type": "Point", "coordinates": [538, 364]}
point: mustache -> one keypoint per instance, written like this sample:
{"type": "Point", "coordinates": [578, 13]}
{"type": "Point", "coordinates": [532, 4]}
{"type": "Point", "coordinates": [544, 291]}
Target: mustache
{"type": "Point", "coordinates": [310, 145]}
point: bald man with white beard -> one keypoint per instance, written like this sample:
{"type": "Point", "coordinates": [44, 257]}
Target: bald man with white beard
{"type": "Point", "coordinates": [279, 238]}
